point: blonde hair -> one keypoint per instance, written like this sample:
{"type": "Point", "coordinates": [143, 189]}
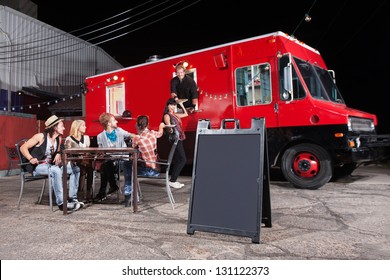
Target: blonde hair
{"type": "Point", "coordinates": [75, 129]}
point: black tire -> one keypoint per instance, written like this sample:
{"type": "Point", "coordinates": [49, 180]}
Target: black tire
{"type": "Point", "coordinates": [307, 166]}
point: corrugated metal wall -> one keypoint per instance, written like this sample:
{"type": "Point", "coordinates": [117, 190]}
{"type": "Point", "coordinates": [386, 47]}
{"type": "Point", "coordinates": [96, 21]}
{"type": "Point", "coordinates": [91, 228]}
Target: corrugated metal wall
{"type": "Point", "coordinates": [34, 54]}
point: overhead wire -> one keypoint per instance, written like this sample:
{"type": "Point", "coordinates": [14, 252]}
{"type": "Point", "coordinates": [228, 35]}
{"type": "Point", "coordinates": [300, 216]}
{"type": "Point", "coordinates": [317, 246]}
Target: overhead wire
{"type": "Point", "coordinates": [359, 29]}
{"type": "Point", "coordinates": [299, 24]}
{"type": "Point", "coordinates": [330, 24]}
{"type": "Point", "coordinates": [31, 56]}
{"type": "Point", "coordinates": [44, 50]}
{"type": "Point", "coordinates": [60, 35]}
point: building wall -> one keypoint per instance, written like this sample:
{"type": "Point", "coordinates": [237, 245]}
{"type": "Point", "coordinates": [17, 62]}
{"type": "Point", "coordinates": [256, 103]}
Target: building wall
{"type": "Point", "coordinates": [34, 54]}
{"type": "Point", "coordinates": [24, 6]}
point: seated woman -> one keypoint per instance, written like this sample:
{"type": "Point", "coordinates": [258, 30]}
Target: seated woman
{"type": "Point", "coordinates": [78, 139]}
{"type": "Point", "coordinates": [146, 142]}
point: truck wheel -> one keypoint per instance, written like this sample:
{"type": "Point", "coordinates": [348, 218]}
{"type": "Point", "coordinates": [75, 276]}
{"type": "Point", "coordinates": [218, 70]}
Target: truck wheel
{"type": "Point", "coordinates": [307, 166]}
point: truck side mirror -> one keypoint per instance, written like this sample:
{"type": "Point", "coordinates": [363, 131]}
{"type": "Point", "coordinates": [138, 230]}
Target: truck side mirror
{"type": "Point", "coordinates": [287, 83]}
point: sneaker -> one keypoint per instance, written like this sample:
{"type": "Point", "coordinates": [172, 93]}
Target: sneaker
{"type": "Point", "coordinates": [100, 197]}
{"type": "Point", "coordinates": [79, 202]}
{"type": "Point", "coordinates": [113, 189]}
{"type": "Point", "coordinates": [75, 200]}
{"type": "Point", "coordinates": [77, 206]}
{"type": "Point", "coordinates": [69, 206]}
{"type": "Point", "coordinates": [175, 185]}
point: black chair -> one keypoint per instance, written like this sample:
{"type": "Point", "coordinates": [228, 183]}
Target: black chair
{"type": "Point", "coordinates": [13, 158]}
{"type": "Point", "coordinates": [26, 176]}
{"type": "Point", "coordinates": [164, 175]}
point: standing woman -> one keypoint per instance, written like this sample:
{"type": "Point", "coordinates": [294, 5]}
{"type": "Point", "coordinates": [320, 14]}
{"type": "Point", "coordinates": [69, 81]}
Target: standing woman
{"type": "Point", "coordinates": [171, 117]}
{"type": "Point", "coordinates": [78, 139]}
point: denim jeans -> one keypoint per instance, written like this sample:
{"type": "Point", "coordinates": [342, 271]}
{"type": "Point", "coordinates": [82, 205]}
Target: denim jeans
{"type": "Point", "coordinates": [147, 171]}
{"type": "Point", "coordinates": [127, 167]}
{"type": "Point", "coordinates": [55, 174]}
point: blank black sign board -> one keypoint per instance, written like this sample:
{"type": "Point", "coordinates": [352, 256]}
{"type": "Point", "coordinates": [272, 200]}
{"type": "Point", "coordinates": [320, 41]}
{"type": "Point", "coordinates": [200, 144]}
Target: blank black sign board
{"type": "Point", "coordinates": [230, 180]}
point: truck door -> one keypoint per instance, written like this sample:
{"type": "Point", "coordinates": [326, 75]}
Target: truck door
{"type": "Point", "coordinates": [254, 93]}
{"type": "Point", "coordinates": [294, 109]}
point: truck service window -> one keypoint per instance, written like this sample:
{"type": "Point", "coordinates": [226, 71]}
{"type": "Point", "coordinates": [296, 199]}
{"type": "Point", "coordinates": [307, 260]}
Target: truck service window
{"type": "Point", "coordinates": [115, 99]}
{"type": "Point", "coordinates": [253, 84]}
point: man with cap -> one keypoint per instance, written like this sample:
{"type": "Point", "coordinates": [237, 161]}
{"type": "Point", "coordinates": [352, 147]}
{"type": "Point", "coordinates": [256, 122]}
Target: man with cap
{"type": "Point", "coordinates": [43, 153]}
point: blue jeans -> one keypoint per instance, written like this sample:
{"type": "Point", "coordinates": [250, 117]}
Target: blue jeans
{"type": "Point", "coordinates": [127, 167]}
{"type": "Point", "coordinates": [147, 171]}
{"type": "Point", "coordinates": [55, 174]}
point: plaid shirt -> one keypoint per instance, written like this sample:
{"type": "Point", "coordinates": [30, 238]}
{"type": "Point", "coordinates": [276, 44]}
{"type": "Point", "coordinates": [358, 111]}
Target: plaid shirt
{"type": "Point", "coordinates": [147, 145]}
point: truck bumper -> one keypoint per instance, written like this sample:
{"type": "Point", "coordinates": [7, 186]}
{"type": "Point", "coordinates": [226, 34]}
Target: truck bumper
{"type": "Point", "coordinates": [371, 148]}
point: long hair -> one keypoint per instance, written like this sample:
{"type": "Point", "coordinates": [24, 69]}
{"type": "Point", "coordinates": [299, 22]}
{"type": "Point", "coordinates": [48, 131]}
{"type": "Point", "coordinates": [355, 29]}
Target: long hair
{"type": "Point", "coordinates": [51, 130]}
{"type": "Point", "coordinates": [170, 101]}
{"type": "Point", "coordinates": [75, 128]}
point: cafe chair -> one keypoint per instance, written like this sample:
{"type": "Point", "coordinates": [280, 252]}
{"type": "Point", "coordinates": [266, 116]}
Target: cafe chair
{"type": "Point", "coordinates": [26, 176]}
{"type": "Point", "coordinates": [13, 158]}
{"type": "Point", "coordinates": [163, 175]}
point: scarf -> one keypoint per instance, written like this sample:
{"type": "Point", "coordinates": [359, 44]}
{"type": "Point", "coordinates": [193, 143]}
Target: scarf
{"type": "Point", "coordinates": [111, 136]}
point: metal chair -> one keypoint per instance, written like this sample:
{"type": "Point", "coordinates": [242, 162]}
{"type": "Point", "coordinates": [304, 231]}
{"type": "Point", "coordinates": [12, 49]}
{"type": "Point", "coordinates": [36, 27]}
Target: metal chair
{"type": "Point", "coordinates": [164, 175]}
{"type": "Point", "coordinates": [13, 158]}
{"type": "Point", "coordinates": [26, 176]}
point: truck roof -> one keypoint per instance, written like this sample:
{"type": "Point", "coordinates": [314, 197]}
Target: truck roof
{"type": "Point", "coordinates": [277, 33]}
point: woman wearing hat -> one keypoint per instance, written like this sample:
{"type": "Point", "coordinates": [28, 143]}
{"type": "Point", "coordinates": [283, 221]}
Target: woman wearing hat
{"type": "Point", "coordinates": [43, 152]}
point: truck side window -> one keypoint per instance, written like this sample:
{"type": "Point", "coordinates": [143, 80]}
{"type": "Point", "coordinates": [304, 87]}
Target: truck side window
{"type": "Point", "coordinates": [253, 85]}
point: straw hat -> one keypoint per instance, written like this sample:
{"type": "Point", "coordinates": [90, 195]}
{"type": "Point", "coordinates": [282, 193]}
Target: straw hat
{"type": "Point", "coordinates": [52, 121]}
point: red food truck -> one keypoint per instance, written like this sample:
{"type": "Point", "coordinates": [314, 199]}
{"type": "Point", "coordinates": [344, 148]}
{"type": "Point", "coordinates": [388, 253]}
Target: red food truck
{"type": "Point", "coordinates": [312, 135]}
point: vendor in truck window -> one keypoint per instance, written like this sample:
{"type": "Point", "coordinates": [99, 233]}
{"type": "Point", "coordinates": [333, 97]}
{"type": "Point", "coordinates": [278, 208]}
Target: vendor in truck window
{"type": "Point", "coordinates": [184, 87]}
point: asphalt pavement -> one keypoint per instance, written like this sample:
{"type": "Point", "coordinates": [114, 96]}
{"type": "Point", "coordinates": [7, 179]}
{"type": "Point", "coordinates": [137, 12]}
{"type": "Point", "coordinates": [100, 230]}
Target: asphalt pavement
{"type": "Point", "coordinates": [344, 220]}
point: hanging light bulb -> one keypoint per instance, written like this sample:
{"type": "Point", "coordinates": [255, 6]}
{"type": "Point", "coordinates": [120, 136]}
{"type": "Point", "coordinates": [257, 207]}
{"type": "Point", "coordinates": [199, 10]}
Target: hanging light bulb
{"type": "Point", "coordinates": [307, 18]}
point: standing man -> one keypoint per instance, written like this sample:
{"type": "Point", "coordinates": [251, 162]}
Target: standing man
{"type": "Point", "coordinates": [184, 87]}
{"type": "Point", "coordinates": [113, 137]}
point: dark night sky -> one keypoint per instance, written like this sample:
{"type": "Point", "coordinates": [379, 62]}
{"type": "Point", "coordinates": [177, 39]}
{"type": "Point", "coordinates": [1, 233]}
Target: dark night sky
{"type": "Point", "coordinates": [351, 37]}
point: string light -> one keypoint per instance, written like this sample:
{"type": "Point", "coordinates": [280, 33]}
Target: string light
{"type": "Point", "coordinates": [38, 105]}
